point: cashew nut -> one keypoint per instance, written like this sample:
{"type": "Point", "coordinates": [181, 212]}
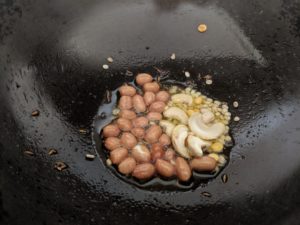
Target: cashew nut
{"type": "Point", "coordinates": [182, 98]}
{"type": "Point", "coordinates": [196, 145]}
{"type": "Point", "coordinates": [167, 127]}
{"type": "Point", "coordinates": [204, 131]}
{"type": "Point", "coordinates": [179, 136]}
{"type": "Point", "coordinates": [176, 113]}
{"type": "Point", "coordinates": [208, 117]}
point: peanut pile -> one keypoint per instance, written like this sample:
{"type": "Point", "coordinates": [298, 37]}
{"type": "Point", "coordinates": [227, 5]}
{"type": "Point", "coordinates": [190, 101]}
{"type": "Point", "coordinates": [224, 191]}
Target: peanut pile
{"type": "Point", "coordinates": [167, 132]}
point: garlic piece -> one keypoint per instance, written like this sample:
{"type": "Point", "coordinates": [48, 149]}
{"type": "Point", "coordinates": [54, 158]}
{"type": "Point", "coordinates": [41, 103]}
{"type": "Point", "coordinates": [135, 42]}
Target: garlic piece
{"type": "Point", "coordinates": [179, 136]}
{"type": "Point", "coordinates": [176, 113]}
{"type": "Point", "coordinates": [196, 145]}
{"type": "Point", "coordinates": [204, 131]}
{"type": "Point", "coordinates": [182, 98]}
{"type": "Point", "coordinates": [167, 127]}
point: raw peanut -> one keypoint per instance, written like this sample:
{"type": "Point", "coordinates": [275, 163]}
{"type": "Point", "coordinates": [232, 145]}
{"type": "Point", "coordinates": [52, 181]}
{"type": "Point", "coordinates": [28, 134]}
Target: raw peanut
{"type": "Point", "coordinates": [127, 165]}
{"type": "Point", "coordinates": [149, 97]}
{"type": "Point", "coordinates": [141, 153]}
{"type": "Point", "coordinates": [128, 140]}
{"type": "Point", "coordinates": [162, 96]}
{"type": "Point", "coordinates": [143, 171]}
{"type": "Point", "coordinates": [152, 116]}
{"type": "Point", "coordinates": [183, 169]}
{"type": "Point", "coordinates": [157, 151]}
{"type": "Point", "coordinates": [125, 102]}
{"type": "Point", "coordinates": [140, 122]}
{"type": "Point", "coordinates": [153, 133]}
{"type": "Point", "coordinates": [157, 107]}
{"type": "Point", "coordinates": [112, 143]}
{"type": "Point", "coordinates": [138, 132]}
{"type": "Point", "coordinates": [169, 154]}
{"type": "Point", "coordinates": [127, 90]}
{"type": "Point", "coordinates": [111, 130]}
{"type": "Point", "coordinates": [124, 124]}
{"type": "Point", "coordinates": [118, 155]}
{"type": "Point", "coordinates": [152, 87]}
{"type": "Point", "coordinates": [127, 114]}
{"type": "Point", "coordinates": [138, 103]}
{"type": "Point", "coordinates": [164, 140]}
{"type": "Point", "coordinates": [204, 163]}
{"type": "Point", "coordinates": [143, 78]}
{"type": "Point", "coordinates": [164, 168]}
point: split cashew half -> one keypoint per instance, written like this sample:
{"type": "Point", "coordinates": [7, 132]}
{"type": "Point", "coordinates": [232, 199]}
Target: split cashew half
{"type": "Point", "coordinates": [182, 98]}
{"type": "Point", "coordinates": [167, 127]}
{"type": "Point", "coordinates": [196, 145]}
{"type": "Point", "coordinates": [204, 131]}
{"type": "Point", "coordinates": [179, 136]}
{"type": "Point", "coordinates": [176, 113]}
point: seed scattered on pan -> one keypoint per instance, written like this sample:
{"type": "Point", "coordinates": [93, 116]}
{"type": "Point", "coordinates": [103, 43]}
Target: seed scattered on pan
{"type": "Point", "coordinates": [206, 194]}
{"type": "Point", "coordinates": [83, 131]}
{"type": "Point", "coordinates": [224, 178]}
{"type": "Point", "coordinates": [107, 96]}
{"type": "Point", "coordinates": [103, 115]}
{"type": "Point", "coordinates": [208, 82]}
{"type": "Point", "coordinates": [90, 156]}
{"type": "Point", "coordinates": [52, 151]}
{"type": "Point", "coordinates": [187, 74]}
{"type": "Point", "coordinates": [110, 59]}
{"type": "Point", "coordinates": [105, 66]}
{"type": "Point", "coordinates": [129, 73]}
{"type": "Point", "coordinates": [35, 113]}
{"type": "Point", "coordinates": [108, 162]}
{"type": "Point", "coordinates": [28, 152]}
{"type": "Point", "coordinates": [235, 104]}
{"type": "Point", "coordinates": [60, 166]}
{"type": "Point", "coordinates": [236, 118]}
{"type": "Point", "coordinates": [202, 28]}
{"type": "Point", "coordinates": [173, 56]}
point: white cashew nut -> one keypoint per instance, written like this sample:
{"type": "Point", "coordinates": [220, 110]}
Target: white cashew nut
{"type": "Point", "coordinates": [203, 130]}
{"type": "Point", "coordinates": [176, 113]}
{"type": "Point", "coordinates": [208, 117]}
{"type": "Point", "coordinates": [179, 136]}
{"type": "Point", "coordinates": [182, 98]}
{"type": "Point", "coordinates": [196, 145]}
{"type": "Point", "coordinates": [167, 127]}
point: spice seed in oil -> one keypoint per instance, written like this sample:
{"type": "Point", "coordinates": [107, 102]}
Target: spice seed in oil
{"type": "Point", "coordinates": [52, 151]}
{"type": "Point", "coordinates": [206, 194]}
{"type": "Point", "coordinates": [35, 113]}
{"type": "Point", "coordinates": [224, 178]}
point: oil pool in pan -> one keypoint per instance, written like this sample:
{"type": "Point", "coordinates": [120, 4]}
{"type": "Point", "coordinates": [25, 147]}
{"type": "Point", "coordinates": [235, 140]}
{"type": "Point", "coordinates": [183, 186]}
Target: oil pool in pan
{"type": "Point", "coordinates": [150, 134]}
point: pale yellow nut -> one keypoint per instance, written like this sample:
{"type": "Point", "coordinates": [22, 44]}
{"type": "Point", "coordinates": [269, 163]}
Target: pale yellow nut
{"type": "Point", "coordinates": [214, 156]}
{"type": "Point", "coordinates": [198, 100]}
{"type": "Point", "coordinates": [202, 28]}
{"type": "Point", "coordinates": [190, 112]}
{"type": "Point", "coordinates": [217, 147]}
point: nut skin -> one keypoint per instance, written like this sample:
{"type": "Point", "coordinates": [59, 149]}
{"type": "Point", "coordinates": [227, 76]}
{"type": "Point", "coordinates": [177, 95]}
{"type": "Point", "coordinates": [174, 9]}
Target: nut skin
{"type": "Point", "coordinates": [204, 163]}
{"type": "Point", "coordinates": [127, 166]}
{"type": "Point", "coordinates": [112, 143]}
{"type": "Point", "coordinates": [111, 130]}
{"type": "Point", "coordinates": [143, 171]}
{"type": "Point", "coordinates": [143, 78]}
{"type": "Point", "coordinates": [138, 103]}
{"type": "Point", "coordinates": [170, 155]}
{"type": "Point", "coordinates": [118, 155]}
{"type": "Point", "coordinates": [124, 124]}
{"type": "Point", "coordinates": [153, 116]}
{"type": "Point", "coordinates": [149, 97]}
{"type": "Point", "coordinates": [140, 122]}
{"type": "Point", "coordinates": [127, 90]}
{"type": "Point", "coordinates": [138, 132]}
{"type": "Point", "coordinates": [153, 134]}
{"type": "Point", "coordinates": [141, 154]}
{"type": "Point", "coordinates": [164, 168]}
{"type": "Point", "coordinates": [162, 96]}
{"type": "Point", "coordinates": [125, 102]}
{"type": "Point", "coordinates": [183, 169]}
{"type": "Point", "coordinates": [127, 114]}
{"type": "Point", "coordinates": [152, 87]}
{"type": "Point", "coordinates": [157, 107]}
{"type": "Point", "coordinates": [164, 140]}
{"type": "Point", "coordinates": [157, 152]}
{"type": "Point", "coordinates": [128, 140]}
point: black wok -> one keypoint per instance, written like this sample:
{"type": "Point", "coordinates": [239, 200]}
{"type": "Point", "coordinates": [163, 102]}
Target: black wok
{"type": "Point", "coordinates": [51, 56]}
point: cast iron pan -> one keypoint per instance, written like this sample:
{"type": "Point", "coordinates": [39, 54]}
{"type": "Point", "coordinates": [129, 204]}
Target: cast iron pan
{"type": "Point", "coordinates": [51, 59]}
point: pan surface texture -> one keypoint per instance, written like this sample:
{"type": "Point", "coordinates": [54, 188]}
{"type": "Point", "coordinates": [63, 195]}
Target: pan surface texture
{"type": "Point", "coordinates": [51, 57]}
